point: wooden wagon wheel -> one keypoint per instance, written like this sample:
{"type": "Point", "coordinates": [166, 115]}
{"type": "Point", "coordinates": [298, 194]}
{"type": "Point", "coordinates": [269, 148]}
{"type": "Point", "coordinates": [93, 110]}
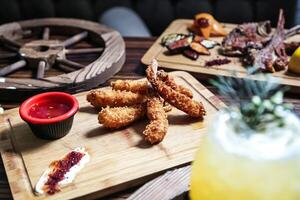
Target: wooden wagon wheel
{"type": "Point", "coordinates": [41, 49]}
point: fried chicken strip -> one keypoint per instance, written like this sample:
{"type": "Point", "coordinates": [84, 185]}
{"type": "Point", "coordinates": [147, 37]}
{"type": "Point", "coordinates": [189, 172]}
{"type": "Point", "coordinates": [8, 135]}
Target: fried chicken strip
{"type": "Point", "coordinates": [169, 81]}
{"type": "Point", "coordinates": [167, 107]}
{"type": "Point", "coordinates": [114, 98]}
{"type": "Point", "coordinates": [121, 116]}
{"type": "Point", "coordinates": [139, 86]}
{"type": "Point", "coordinates": [175, 98]}
{"type": "Point", "coordinates": [157, 128]}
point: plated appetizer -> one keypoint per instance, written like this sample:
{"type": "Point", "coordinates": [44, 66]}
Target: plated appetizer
{"type": "Point", "coordinates": [255, 43]}
{"type": "Point", "coordinates": [130, 100]}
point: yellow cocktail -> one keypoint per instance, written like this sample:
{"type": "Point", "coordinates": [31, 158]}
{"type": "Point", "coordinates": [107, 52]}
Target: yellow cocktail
{"type": "Point", "coordinates": [250, 165]}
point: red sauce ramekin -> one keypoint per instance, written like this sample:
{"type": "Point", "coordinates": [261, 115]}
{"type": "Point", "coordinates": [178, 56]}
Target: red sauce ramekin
{"type": "Point", "coordinates": [55, 127]}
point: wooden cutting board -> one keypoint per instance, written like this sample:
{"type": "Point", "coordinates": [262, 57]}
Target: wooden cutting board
{"type": "Point", "coordinates": [119, 159]}
{"type": "Point", "coordinates": [180, 62]}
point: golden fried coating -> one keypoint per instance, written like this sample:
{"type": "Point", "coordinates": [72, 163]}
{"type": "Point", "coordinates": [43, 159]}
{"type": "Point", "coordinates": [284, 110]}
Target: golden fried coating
{"type": "Point", "coordinates": [121, 116]}
{"type": "Point", "coordinates": [167, 107]}
{"type": "Point", "coordinates": [140, 86]}
{"type": "Point", "coordinates": [169, 81]}
{"type": "Point", "coordinates": [175, 98]}
{"type": "Point", "coordinates": [157, 128]}
{"type": "Point", "coordinates": [114, 98]}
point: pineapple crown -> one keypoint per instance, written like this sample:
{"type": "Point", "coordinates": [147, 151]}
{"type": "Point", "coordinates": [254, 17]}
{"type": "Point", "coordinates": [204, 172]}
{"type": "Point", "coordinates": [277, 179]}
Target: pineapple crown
{"type": "Point", "coordinates": [258, 103]}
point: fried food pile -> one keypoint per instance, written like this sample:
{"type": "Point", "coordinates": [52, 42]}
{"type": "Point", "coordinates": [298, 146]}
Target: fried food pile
{"type": "Point", "coordinates": [130, 100]}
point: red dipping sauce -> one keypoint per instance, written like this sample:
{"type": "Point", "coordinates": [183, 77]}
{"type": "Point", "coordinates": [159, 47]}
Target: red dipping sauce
{"type": "Point", "coordinates": [48, 109]}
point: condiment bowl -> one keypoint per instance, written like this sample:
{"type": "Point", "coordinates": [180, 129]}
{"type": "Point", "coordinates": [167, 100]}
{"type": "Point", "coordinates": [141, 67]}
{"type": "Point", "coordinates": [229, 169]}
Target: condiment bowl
{"type": "Point", "coordinates": [49, 115]}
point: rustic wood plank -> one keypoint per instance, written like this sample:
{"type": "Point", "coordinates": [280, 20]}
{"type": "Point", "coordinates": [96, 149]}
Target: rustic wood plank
{"type": "Point", "coordinates": [173, 182]}
{"type": "Point", "coordinates": [122, 152]}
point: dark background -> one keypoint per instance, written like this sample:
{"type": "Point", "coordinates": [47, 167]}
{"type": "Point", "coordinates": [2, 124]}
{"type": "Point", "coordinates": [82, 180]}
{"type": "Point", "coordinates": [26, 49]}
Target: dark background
{"type": "Point", "coordinates": [157, 14]}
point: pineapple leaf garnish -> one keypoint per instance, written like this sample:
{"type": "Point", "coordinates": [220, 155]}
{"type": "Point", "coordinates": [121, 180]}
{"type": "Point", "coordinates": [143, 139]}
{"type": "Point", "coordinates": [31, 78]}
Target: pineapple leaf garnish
{"type": "Point", "coordinates": [259, 104]}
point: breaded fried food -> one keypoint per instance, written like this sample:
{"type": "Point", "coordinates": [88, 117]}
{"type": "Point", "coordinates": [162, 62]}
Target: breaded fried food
{"type": "Point", "coordinates": [136, 86]}
{"type": "Point", "coordinates": [175, 98]}
{"type": "Point", "coordinates": [121, 116]}
{"type": "Point", "coordinates": [167, 107]}
{"type": "Point", "coordinates": [157, 128]}
{"type": "Point", "coordinates": [169, 81]}
{"type": "Point", "coordinates": [114, 98]}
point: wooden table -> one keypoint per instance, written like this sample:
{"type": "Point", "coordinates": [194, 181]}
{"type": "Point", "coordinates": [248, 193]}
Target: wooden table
{"type": "Point", "coordinates": [133, 68]}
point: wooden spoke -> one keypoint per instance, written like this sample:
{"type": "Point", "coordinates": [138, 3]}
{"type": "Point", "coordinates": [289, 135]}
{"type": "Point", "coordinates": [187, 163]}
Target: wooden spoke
{"type": "Point", "coordinates": [13, 67]}
{"type": "Point", "coordinates": [7, 55]}
{"type": "Point", "coordinates": [41, 70]}
{"type": "Point", "coordinates": [69, 63]}
{"type": "Point", "coordinates": [9, 42]}
{"type": "Point", "coordinates": [84, 51]}
{"type": "Point", "coordinates": [75, 39]}
{"type": "Point", "coordinates": [46, 33]}
{"type": "Point", "coordinates": [11, 48]}
{"type": "Point", "coordinates": [65, 68]}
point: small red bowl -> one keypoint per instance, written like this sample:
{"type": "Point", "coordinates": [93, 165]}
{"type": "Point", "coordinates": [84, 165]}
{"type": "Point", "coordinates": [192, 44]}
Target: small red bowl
{"type": "Point", "coordinates": [54, 127]}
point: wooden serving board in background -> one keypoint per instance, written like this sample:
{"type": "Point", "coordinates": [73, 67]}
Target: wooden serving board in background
{"type": "Point", "coordinates": [180, 62]}
{"type": "Point", "coordinates": [119, 159]}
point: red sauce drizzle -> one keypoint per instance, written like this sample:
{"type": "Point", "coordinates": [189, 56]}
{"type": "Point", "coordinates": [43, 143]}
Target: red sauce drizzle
{"type": "Point", "coordinates": [61, 167]}
{"type": "Point", "coordinates": [217, 62]}
{"type": "Point", "coordinates": [48, 109]}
